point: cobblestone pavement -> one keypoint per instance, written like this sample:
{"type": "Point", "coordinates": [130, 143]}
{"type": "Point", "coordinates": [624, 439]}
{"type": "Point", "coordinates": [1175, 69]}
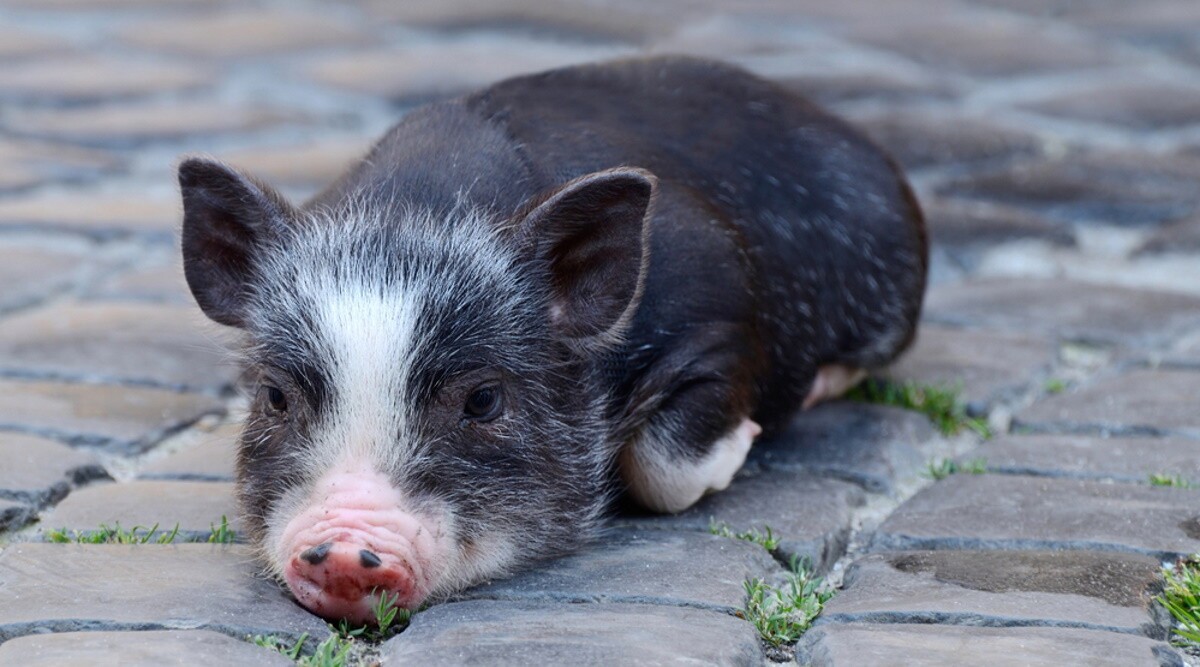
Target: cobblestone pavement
{"type": "Point", "coordinates": [1055, 146]}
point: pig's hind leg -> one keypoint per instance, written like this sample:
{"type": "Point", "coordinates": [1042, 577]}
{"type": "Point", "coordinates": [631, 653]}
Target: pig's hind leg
{"type": "Point", "coordinates": [688, 448]}
{"type": "Point", "coordinates": [833, 381]}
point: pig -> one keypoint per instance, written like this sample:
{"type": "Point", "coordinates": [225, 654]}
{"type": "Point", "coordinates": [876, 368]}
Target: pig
{"type": "Point", "coordinates": [599, 280]}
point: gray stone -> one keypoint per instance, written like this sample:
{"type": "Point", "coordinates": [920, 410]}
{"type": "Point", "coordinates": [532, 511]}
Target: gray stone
{"type": "Point", "coordinates": [1018, 512]}
{"type": "Point", "coordinates": [873, 446]}
{"type": "Point", "coordinates": [97, 214]}
{"type": "Point", "coordinates": [30, 274]}
{"type": "Point", "coordinates": [1098, 591]}
{"type": "Point", "coordinates": [1143, 104]}
{"type": "Point", "coordinates": [1092, 457]}
{"type": "Point", "coordinates": [1141, 401]}
{"type": "Point", "coordinates": [1180, 237]}
{"type": "Point", "coordinates": [160, 282]}
{"type": "Point", "coordinates": [926, 139]}
{"type": "Point", "coordinates": [196, 507]}
{"type": "Point", "coordinates": [1131, 189]}
{"type": "Point", "coordinates": [644, 567]}
{"type": "Point", "coordinates": [963, 223]}
{"type": "Point", "coordinates": [14, 515]}
{"type": "Point", "coordinates": [126, 419]}
{"type": "Point", "coordinates": [73, 587]}
{"type": "Point", "coordinates": [528, 633]}
{"type": "Point", "coordinates": [986, 366]}
{"type": "Point", "coordinates": [136, 649]}
{"type": "Point", "coordinates": [157, 344]}
{"type": "Point", "coordinates": [811, 516]}
{"type": "Point", "coordinates": [38, 471]}
{"type": "Point", "coordinates": [1072, 310]}
{"type": "Point", "coordinates": [855, 644]}
{"type": "Point", "coordinates": [212, 458]}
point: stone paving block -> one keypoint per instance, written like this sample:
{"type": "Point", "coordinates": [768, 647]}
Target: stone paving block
{"type": "Point", "coordinates": [679, 568]}
{"type": "Point", "coordinates": [621, 21]}
{"type": "Point", "coordinates": [30, 273]}
{"type": "Point", "coordinates": [74, 587]}
{"type": "Point", "coordinates": [13, 515]}
{"type": "Point", "coordinates": [242, 32]}
{"type": "Point", "coordinates": [124, 419]}
{"type": "Point", "coordinates": [487, 632]}
{"type": "Point", "coordinates": [90, 77]}
{"type": "Point", "coordinates": [1092, 457]}
{"type": "Point", "coordinates": [928, 138]}
{"type": "Point", "coordinates": [832, 89]}
{"type": "Point", "coordinates": [310, 165]}
{"type": "Point", "coordinates": [1073, 310]}
{"type": "Point", "coordinates": [100, 215]}
{"type": "Point", "coordinates": [158, 282]}
{"type": "Point", "coordinates": [991, 45]}
{"type": "Point", "coordinates": [1182, 237]}
{"type": "Point", "coordinates": [811, 516]}
{"type": "Point", "coordinates": [985, 365]}
{"type": "Point", "coordinates": [1017, 512]}
{"type": "Point", "coordinates": [855, 644]}
{"type": "Point", "coordinates": [24, 164]}
{"type": "Point", "coordinates": [37, 471]}
{"type": "Point", "coordinates": [157, 344]}
{"type": "Point", "coordinates": [873, 446]}
{"type": "Point", "coordinates": [17, 43]}
{"type": "Point", "coordinates": [1142, 104]}
{"type": "Point", "coordinates": [210, 459]}
{"type": "Point", "coordinates": [1131, 189]}
{"type": "Point", "coordinates": [1141, 401]}
{"type": "Point", "coordinates": [1097, 591]}
{"type": "Point", "coordinates": [195, 506]}
{"type": "Point", "coordinates": [423, 71]}
{"type": "Point", "coordinates": [151, 648]}
{"type": "Point", "coordinates": [132, 124]}
{"type": "Point", "coordinates": [963, 223]}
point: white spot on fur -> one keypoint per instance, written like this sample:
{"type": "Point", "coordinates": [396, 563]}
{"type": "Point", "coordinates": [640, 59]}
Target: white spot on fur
{"type": "Point", "coordinates": [669, 484]}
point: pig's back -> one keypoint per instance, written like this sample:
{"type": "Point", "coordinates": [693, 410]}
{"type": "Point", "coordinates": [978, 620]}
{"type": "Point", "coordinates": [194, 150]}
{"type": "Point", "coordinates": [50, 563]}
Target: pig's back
{"type": "Point", "coordinates": [820, 243]}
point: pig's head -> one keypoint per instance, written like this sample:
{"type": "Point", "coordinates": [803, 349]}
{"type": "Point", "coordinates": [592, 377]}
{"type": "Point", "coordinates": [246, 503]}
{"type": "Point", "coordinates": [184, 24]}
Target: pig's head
{"type": "Point", "coordinates": [425, 413]}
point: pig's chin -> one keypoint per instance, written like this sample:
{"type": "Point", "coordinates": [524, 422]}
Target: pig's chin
{"type": "Point", "coordinates": [357, 543]}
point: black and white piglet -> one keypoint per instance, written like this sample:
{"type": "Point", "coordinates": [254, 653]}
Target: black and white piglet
{"type": "Point", "coordinates": [627, 269]}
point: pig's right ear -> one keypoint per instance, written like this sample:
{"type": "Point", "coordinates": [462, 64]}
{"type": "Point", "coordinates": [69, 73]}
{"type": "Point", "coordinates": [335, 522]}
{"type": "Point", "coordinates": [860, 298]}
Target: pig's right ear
{"type": "Point", "coordinates": [227, 217]}
{"type": "Point", "coordinates": [592, 236]}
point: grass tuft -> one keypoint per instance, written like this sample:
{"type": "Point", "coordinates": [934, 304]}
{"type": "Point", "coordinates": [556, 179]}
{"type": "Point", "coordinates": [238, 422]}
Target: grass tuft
{"type": "Point", "coordinates": [222, 534]}
{"type": "Point", "coordinates": [766, 539]}
{"type": "Point", "coordinates": [114, 535]}
{"type": "Point", "coordinates": [941, 405]}
{"type": "Point", "coordinates": [346, 645]}
{"type": "Point", "coordinates": [782, 614]}
{"type": "Point", "coordinates": [1176, 481]}
{"type": "Point", "coordinates": [942, 468]}
{"type": "Point", "coordinates": [1181, 597]}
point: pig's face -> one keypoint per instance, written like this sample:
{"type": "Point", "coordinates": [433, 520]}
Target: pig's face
{"type": "Point", "coordinates": [424, 414]}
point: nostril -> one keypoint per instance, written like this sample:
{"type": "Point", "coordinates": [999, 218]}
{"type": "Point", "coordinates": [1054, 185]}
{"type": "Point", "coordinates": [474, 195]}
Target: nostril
{"type": "Point", "coordinates": [316, 555]}
{"type": "Point", "coordinates": [369, 559]}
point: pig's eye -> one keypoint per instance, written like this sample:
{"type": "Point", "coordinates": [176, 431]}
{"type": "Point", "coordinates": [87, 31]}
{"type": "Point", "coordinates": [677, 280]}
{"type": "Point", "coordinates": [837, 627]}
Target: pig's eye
{"type": "Point", "coordinates": [276, 399]}
{"type": "Point", "coordinates": [484, 403]}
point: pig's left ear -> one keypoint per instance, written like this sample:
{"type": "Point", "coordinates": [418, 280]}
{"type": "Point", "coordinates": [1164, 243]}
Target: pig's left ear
{"type": "Point", "coordinates": [592, 234]}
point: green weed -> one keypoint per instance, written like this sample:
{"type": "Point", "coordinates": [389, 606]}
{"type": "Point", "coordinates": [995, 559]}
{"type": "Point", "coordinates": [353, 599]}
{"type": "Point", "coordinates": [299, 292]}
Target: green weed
{"type": "Point", "coordinates": [222, 534]}
{"type": "Point", "coordinates": [766, 539]}
{"type": "Point", "coordinates": [941, 405]}
{"type": "Point", "coordinates": [1176, 481]}
{"type": "Point", "coordinates": [782, 614]}
{"type": "Point", "coordinates": [114, 535]}
{"type": "Point", "coordinates": [1181, 597]}
{"type": "Point", "coordinates": [1055, 386]}
{"type": "Point", "coordinates": [942, 468]}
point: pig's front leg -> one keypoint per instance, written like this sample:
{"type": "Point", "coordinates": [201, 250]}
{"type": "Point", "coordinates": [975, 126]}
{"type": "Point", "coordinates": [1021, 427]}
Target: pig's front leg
{"type": "Point", "coordinates": [686, 450]}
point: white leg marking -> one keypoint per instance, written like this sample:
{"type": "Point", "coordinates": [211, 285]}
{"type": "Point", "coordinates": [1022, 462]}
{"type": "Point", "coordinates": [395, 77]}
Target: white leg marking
{"type": "Point", "coordinates": [669, 485]}
{"type": "Point", "coordinates": [832, 381]}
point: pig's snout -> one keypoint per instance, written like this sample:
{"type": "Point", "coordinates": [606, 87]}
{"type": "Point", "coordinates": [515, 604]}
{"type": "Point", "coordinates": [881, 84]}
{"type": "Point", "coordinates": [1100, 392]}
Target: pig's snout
{"type": "Point", "coordinates": [355, 544]}
{"type": "Point", "coordinates": [343, 580]}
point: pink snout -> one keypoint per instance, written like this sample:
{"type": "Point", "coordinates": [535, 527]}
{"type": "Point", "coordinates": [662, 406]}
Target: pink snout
{"type": "Point", "coordinates": [356, 543]}
{"type": "Point", "coordinates": [344, 579]}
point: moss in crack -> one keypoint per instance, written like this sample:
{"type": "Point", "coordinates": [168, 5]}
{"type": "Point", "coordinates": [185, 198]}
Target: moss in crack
{"type": "Point", "coordinates": [941, 404]}
{"type": "Point", "coordinates": [782, 614]}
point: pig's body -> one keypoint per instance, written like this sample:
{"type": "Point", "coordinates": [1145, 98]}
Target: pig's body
{"type": "Point", "coordinates": [507, 236]}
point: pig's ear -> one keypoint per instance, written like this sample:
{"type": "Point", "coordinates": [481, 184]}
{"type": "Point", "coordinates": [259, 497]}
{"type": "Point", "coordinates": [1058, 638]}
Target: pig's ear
{"type": "Point", "coordinates": [592, 234]}
{"type": "Point", "coordinates": [226, 219]}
